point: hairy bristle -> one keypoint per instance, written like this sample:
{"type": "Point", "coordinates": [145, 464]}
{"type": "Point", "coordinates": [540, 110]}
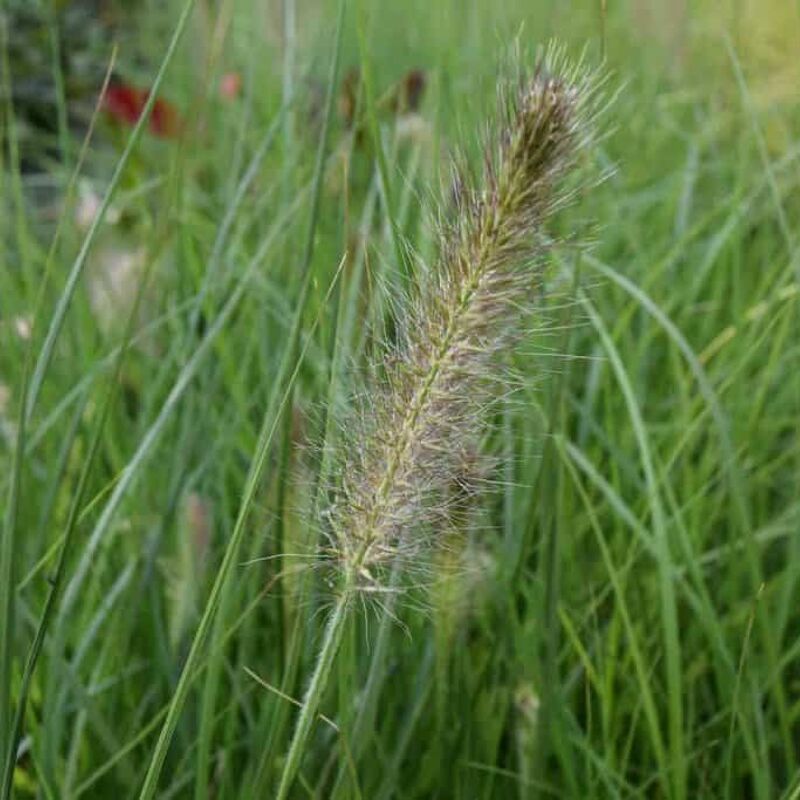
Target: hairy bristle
{"type": "Point", "coordinates": [415, 427]}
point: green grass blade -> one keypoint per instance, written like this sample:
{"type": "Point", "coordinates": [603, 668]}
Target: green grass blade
{"type": "Point", "coordinates": [65, 298]}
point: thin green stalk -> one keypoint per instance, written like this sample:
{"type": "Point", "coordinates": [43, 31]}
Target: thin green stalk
{"type": "Point", "coordinates": [313, 696]}
{"type": "Point", "coordinates": [8, 544]}
{"type": "Point", "coordinates": [367, 708]}
{"type": "Point", "coordinates": [8, 582]}
{"type": "Point", "coordinates": [15, 727]}
{"type": "Point", "coordinates": [65, 298]}
{"type": "Point", "coordinates": [550, 484]}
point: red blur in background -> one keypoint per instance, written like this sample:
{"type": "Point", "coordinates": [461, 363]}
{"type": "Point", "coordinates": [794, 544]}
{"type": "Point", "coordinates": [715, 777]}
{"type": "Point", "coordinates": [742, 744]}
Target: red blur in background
{"type": "Point", "coordinates": [125, 103]}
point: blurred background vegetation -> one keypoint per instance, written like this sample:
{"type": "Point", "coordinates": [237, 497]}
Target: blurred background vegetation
{"type": "Point", "coordinates": [619, 619]}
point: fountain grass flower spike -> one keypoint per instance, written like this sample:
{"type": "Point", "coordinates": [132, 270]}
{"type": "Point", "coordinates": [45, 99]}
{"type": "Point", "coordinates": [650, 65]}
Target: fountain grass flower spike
{"type": "Point", "coordinates": [441, 375]}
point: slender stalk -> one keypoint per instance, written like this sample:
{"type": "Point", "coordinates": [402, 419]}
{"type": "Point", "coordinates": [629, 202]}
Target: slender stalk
{"type": "Point", "coordinates": [313, 696]}
{"type": "Point", "coordinates": [71, 284]}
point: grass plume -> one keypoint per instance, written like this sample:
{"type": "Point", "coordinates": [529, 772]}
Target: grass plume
{"type": "Point", "coordinates": [440, 377]}
{"type": "Point", "coordinates": [466, 313]}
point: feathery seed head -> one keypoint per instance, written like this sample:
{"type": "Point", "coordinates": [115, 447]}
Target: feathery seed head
{"type": "Point", "coordinates": [429, 409]}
